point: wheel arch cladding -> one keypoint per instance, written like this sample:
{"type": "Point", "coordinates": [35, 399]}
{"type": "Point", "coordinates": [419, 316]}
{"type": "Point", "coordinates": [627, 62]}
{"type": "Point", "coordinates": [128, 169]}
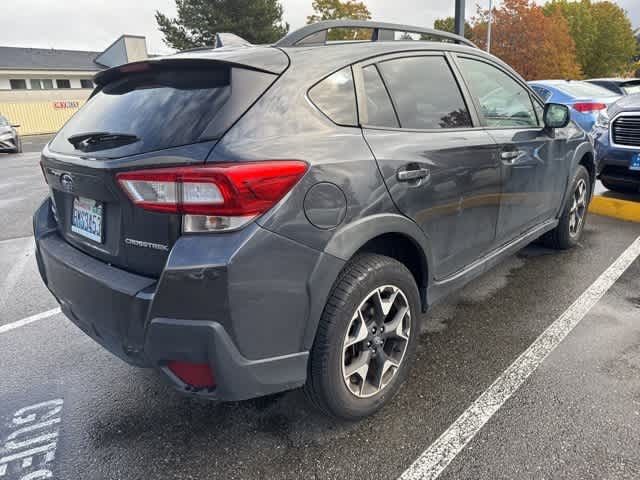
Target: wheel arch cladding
{"type": "Point", "coordinates": [392, 235]}
{"type": "Point", "coordinates": [587, 160]}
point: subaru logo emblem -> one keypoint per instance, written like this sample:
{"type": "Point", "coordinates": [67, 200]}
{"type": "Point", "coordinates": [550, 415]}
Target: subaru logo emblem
{"type": "Point", "coordinates": [66, 181]}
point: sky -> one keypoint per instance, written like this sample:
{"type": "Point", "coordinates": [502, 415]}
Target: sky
{"type": "Point", "coordinates": [93, 25]}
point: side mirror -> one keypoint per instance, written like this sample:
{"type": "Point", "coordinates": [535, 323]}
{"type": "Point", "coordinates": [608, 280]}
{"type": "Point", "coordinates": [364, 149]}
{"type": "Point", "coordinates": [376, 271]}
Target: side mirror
{"type": "Point", "coordinates": [556, 115]}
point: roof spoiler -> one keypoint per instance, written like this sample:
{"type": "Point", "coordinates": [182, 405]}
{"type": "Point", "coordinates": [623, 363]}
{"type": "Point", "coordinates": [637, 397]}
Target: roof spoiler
{"type": "Point", "coordinates": [317, 33]}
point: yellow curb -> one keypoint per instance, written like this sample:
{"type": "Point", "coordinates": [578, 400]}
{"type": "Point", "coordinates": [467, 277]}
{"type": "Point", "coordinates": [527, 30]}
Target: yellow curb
{"type": "Point", "coordinates": [616, 208]}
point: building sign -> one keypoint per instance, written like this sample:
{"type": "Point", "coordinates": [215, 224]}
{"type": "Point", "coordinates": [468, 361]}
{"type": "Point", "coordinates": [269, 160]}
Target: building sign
{"type": "Point", "coordinates": [72, 104]}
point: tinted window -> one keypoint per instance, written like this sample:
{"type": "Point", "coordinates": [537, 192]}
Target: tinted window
{"type": "Point", "coordinates": [543, 92]}
{"type": "Point", "coordinates": [425, 93]}
{"type": "Point", "coordinates": [86, 83]}
{"type": "Point", "coordinates": [63, 83]}
{"type": "Point", "coordinates": [18, 84]}
{"type": "Point", "coordinates": [336, 97]}
{"type": "Point", "coordinates": [584, 89]}
{"type": "Point", "coordinates": [164, 108]}
{"type": "Point", "coordinates": [503, 101]}
{"type": "Point", "coordinates": [379, 110]}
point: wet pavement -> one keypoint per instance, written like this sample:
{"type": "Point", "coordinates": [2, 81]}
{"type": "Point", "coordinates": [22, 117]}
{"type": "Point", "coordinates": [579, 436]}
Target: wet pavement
{"type": "Point", "coordinates": [577, 416]}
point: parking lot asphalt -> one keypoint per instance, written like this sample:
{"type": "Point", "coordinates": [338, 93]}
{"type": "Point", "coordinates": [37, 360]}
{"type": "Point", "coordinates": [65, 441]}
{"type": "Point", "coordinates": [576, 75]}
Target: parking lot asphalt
{"type": "Point", "coordinates": [577, 416]}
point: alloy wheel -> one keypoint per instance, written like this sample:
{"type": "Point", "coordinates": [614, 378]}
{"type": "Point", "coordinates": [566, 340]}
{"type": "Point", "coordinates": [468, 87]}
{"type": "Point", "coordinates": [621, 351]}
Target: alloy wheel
{"type": "Point", "coordinates": [376, 341]}
{"type": "Point", "coordinates": [578, 208]}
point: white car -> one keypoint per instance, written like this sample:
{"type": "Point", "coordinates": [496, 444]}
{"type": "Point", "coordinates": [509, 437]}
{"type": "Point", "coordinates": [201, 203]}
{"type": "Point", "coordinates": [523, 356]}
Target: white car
{"type": "Point", "coordinates": [9, 139]}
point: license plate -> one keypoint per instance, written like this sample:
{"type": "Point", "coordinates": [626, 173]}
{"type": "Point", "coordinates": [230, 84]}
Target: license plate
{"type": "Point", "coordinates": [87, 218]}
{"type": "Point", "coordinates": [635, 162]}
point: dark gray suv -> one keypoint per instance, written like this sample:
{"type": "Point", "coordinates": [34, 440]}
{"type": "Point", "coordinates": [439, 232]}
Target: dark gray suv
{"type": "Point", "coordinates": [253, 219]}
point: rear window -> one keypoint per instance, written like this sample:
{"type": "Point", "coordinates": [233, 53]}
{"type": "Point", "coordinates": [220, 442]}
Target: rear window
{"type": "Point", "coordinates": [631, 88]}
{"type": "Point", "coordinates": [584, 89]}
{"type": "Point", "coordinates": [161, 109]}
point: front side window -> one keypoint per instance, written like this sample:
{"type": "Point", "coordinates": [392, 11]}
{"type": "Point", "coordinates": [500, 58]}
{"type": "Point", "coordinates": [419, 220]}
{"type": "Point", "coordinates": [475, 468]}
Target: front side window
{"type": "Point", "coordinates": [503, 102]}
{"type": "Point", "coordinates": [425, 93]}
{"type": "Point", "coordinates": [63, 83]}
{"type": "Point", "coordinates": [335, 96]}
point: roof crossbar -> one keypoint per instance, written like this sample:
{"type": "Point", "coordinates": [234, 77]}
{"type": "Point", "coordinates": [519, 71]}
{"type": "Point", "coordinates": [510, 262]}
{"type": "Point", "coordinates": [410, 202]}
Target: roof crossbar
{"type": "Point", "coordinates": [317, 33]}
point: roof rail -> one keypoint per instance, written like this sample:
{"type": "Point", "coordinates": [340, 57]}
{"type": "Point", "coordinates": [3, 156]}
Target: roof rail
{"type": "Point", "coordinates": [317, 33]}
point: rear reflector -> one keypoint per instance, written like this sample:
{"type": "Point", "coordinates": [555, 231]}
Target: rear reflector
{"type": "Point", "coordinates": [197, 375]}
{"type": "Point", "coordinates": [222, 194]}
{"type": "Point", "coordinates": [585, 107]}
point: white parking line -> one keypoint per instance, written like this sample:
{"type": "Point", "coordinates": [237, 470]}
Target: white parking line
{"type": "Point", "coordinates": [26, 321]}
{"type": "Point", "coordinates": [441, 453]}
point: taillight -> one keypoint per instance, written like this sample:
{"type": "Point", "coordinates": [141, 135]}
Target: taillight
{"type": "Point", "coordinates": [221, 196]}
{"type": "Point", "coordinates": [586, 107]}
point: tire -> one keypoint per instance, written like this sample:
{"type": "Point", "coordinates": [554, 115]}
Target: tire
{"type": "Point", "coordinates": [569, 231]}
{"type": "Point", "coordinates": [620, 187]}
{"type": "Point", "coordinates": [329, 386]}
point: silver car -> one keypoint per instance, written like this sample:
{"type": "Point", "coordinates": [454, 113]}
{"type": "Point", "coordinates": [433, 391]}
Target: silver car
{"type": "Point", "coordinates": [9, 139]}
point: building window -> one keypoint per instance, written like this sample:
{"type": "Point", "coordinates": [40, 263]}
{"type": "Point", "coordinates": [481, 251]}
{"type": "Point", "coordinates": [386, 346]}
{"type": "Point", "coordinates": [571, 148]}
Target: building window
{"type": "Point", "coordinates": [86, 83]}
{"type": "Point", "coordinates": [47, 84]}
{"type": "Point", "coordinates": [63, 83]}
{"type": "Point", "coordinates": [20, 84]}
{"type": "Point", "coordinates": [35, 84]}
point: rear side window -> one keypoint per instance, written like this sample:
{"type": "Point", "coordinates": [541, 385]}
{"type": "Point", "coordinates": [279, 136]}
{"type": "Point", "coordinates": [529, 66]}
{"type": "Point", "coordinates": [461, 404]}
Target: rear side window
{"type": "Point", "coordinates": [425, 93]}
{"type": "Point", "coordinates": [503, 101]}
{"type": "Point", "coordinates": [162, 109]}
{"type": "Point", "coordinates": [543, 92]}
{"type": "Point", "coordinates": [335, 96]}
{"type": "Point", "coordinates": [379, 110]}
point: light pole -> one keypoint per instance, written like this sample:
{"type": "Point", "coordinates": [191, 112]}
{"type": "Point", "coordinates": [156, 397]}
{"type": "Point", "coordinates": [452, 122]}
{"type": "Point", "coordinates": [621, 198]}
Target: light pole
{"type": "Point", "coordinates": [459, 18]}
{"type": "Point", "coordinates": [489, 26]}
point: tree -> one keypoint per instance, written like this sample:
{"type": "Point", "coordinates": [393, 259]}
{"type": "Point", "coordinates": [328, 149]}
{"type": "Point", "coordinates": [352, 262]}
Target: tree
{"type": "Point", "coordinates": [448, 25]}
{"type": "Point", "coordinates": [339, 10]}
{"type": "Point", "coordinates": [198, 21]}
{"type": "Point", "coordinates": [605, 44]}
{"type": "Point", "coordinates": [535, 45]}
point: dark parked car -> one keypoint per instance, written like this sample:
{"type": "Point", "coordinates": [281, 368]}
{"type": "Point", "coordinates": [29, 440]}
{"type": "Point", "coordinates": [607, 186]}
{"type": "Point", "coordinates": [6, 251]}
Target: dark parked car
{"type": "Point", "coordinates": [253, 219]}
{"type": "Point", "coordinates": [619, 86]}
{"type": "Point", "coordinates": [9, 139]}
{"type": "Point", "coordinates": [616, 138]}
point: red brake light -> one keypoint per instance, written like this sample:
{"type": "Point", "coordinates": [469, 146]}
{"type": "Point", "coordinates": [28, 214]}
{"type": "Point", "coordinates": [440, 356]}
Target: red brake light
{"type": "Point", "coordinates": [585, 107]}
{"type": "Point", "coordinates": [241, 189]}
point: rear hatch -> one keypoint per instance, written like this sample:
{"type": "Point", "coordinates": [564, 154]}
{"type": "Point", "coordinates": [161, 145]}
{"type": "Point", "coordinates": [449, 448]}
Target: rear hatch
{"type": "Point", "coordinates": [165, 112]}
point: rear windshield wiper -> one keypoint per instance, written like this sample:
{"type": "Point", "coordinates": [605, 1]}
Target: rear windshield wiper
{"type": "Point", "coordinates": [91, 141]}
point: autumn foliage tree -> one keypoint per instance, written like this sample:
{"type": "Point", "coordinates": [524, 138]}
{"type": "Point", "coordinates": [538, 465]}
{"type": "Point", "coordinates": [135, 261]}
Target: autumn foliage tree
{"type": "Point", "coordinates": [602, 32]}
{"type": "Point", "coordinates": [341, 10]}
{"type": "Point", "coordinates": [536, 45]}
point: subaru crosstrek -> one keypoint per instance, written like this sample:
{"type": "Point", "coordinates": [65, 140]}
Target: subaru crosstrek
{"type": "Point", "coordinates": [253, 219]}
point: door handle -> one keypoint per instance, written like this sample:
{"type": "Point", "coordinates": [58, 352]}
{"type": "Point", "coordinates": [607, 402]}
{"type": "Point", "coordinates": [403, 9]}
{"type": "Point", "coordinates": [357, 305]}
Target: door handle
{"type": "Point", "coordinates": [409, 175]}
{"type": "Point", "coordinates": [510, 156]}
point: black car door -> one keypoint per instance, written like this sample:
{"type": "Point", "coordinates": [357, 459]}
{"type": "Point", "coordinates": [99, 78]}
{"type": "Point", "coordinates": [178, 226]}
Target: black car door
{"type": "Point", "coordinates": [534, 171]}
{"type": "Point", "coordinates": [439, 165]}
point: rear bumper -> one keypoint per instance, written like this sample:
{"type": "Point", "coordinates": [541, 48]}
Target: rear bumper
{"type": "Point", "coordinates": [193, 313]}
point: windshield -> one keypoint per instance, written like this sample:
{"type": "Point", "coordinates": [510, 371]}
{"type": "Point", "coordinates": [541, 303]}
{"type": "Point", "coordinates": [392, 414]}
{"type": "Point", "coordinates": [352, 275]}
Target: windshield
{"type": "Point", "coordinates": [162, 109]}
{"type": "Point", "coordinates": [3, 121]}
{"type": "Point", "coordinates": [585, 90]}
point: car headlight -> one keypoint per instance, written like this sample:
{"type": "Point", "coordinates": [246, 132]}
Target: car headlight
{"type": "Point", "coordinates": [603, 119]}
